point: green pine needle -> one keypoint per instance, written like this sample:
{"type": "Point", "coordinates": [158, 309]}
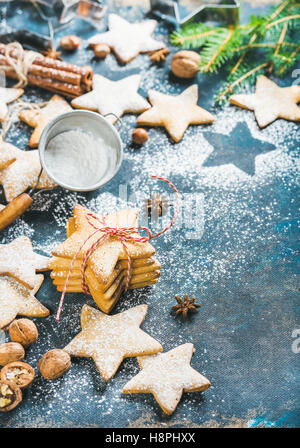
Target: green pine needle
{"type": "Point", "coordinates": [270, 42]}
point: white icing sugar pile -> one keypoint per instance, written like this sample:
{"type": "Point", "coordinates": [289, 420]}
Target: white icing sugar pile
{"type": "Point", "coordinates": [78, 158]}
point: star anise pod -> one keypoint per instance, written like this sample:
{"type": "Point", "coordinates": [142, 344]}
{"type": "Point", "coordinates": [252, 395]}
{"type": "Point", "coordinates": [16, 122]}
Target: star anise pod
{"type": "Point", "coordinates": [157, 205]}
{"type": "Point", "coordinates": [185, 306]}
{"type": "Point", "coordinates": [52, 53]}
{"type": "Point", "coordinates": [159, 56]}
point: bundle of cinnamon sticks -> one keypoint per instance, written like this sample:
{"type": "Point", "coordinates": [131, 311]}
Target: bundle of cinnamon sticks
{"type": "Point", "coordinates": [51, 74]}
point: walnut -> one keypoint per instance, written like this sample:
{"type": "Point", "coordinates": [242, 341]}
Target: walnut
{"type": "Point", "coordinates": [54, 364]}
{"type": "Point", "coordinates": [20, 373]}
{"type": "Point", "coordinates": [10, 396]}
{"type": "Point", "coordinates": [139, 136]}
{"type": "Point", "coordinates": [70, 43]}
{"type": "Point", "coordinates": [10, 352]}
{"type": "Point", "coordinates": [101, 51]}
{"type": "Point", "coordinates": [23, 331]}
{"type": "Point", "coordinates": [185, 64]}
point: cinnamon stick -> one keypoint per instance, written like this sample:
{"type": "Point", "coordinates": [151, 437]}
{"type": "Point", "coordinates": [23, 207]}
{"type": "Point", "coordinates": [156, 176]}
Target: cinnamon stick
{"type": "Point", "coordinates": [45, 72]}
{"type": "Point", "coordinates": [85, 72]}
{"type": "Point", "coordinates": [63, 88]}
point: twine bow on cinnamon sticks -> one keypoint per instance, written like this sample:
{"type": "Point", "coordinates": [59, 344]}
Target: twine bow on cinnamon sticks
{"type": "Point", "coordinates": [30, 67]}
{"type": "Point", "coordinates": [123, 233]}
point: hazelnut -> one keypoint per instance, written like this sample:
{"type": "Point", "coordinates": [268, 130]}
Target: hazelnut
{"type": "Point", "coordinates": [54, 364]}
{"type": "Point", "coordinates": [139, 136]}
{"type": "Point", "coordinates": [185, 64]}
{"type": "Point", "coordinates": [10, 352]}
{"type": "Point", "coordinates": [23, 331]}
{"type": "Point", "coordinates": [70, 43]}
{"type": "Point", "coordinates": [10, 396]}
{"type": "Point", "coordinates": [20, 373]}
{"type": "Point", "coordinates": [101, 51]}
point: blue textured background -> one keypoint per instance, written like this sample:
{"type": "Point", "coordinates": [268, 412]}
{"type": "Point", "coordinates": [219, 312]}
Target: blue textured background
{"type": "Point", "coordinates": [244, 269]}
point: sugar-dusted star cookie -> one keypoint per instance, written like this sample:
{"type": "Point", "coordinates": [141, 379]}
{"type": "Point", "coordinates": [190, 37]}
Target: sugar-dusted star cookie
{"type": "Point", "coordinates": [167, 376]}
{"type": "Point", "coordinates": [175, 113]}
{"type": "Point", "coordinates": [126, 39]}
{"type": "Point", "coordinates": [117, 97]}
{"type": "Point", "coordinates": [23, 174]}
{"type": "Point", "coordinates": [18, 260]}
{"type": "Point", "coordinates": [270, 102]}
{"type": "Point", "coordinates": [16, 299]}
{"type": "Point", "coordinates": [104, 259]}
{"type": "Point", "coordinates": [110, 339]}
{"type": "Point", "coordinates": [8, 95]}
{"type": "Point", "coordinates": [39, 119]}
{"type": "Point", "coordinates": [8, 154]}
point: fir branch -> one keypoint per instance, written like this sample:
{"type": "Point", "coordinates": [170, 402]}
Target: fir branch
{"type": "Point", "coordinates": [222, 95]}
{"type": "Point", "coordinates": [271, 39]}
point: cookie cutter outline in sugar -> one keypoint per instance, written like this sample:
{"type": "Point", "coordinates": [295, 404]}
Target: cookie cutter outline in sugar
{"type": "Point", "coordinates": [225, 11]}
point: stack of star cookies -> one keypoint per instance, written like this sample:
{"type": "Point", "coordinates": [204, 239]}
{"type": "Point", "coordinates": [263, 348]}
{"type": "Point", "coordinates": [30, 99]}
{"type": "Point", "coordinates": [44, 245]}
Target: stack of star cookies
{"type": "Point", "coordinates": [106, 268]}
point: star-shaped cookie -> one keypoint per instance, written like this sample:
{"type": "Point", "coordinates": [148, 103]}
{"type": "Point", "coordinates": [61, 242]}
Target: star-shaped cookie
{"type": "Point", "coordinates": [126, 39]}
{"type": "Point", "coordinates": [39, 119]}
{"type": "Point", "coordinates": [167, 376]}
{"type": "Point", "coordinates": [8, 154]}
{"type": "Point", "coordinates": [175, 113]}
{"type": "Point", "coordinates": [270, 102]}
{"type": "Point", "coordinates": [16, 299]}
{"type": "Point", "coordinates": [18, 260]}
{"type": "Point", "coordinates": [118, 97]}
{"type": "Point", "coordinates": [23, 173]}
{"type": "Point", "coordinates": [8, 95]}
{"type": "Point", "coordinates": [110, 339]}
{"type": "Point", "coordinates": [104, 259]}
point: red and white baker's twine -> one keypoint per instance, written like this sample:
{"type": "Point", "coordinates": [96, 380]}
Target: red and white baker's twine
{"type": "Point", "coordinates": [123, 233]}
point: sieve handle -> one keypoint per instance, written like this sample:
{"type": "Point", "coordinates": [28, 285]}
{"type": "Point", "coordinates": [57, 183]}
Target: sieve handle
{"type": "Point", "coordinates": [116, 116]}
{"type": "Point", "coordinates": [14, 209]}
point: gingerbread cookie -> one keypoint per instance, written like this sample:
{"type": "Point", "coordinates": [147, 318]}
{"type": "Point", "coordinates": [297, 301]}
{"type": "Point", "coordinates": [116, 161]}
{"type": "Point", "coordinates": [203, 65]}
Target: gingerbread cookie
{"type": "Point", "coordinates": [110, 339]}
{"type": "Point", "coordinates": [167, 376]}
{"type": "Point", "coordinates": [270, 102]}
{"type": "Point", "coordinates": [8, 95]}
{"type": "Point", "coordinates": [16, 299]}
{"type": "Point", "coordinates": [8, 154]}
{"type": "Point", "coordinates": [117, 97]}
{"type": "Point", "coordinates": [104, 259]}
{"type": "Point", "coordinates": [23, 174]}
{"type": "Point", "coordinates": [175, 113]}
{"type": "Point", "coordinates": [126, 39]}
{"type": "Point", "coordinates": [18, 260]}
{"type": "Point", "coordinates": [39, 119]}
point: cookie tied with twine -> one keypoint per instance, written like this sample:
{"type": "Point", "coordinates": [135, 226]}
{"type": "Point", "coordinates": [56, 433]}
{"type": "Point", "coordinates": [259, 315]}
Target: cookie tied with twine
{"type": "Point", "coordinates": [125, 235]}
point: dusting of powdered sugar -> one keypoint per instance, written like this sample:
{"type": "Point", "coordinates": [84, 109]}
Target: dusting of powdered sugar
{"type": "Point", "coordinates": [240, 227]}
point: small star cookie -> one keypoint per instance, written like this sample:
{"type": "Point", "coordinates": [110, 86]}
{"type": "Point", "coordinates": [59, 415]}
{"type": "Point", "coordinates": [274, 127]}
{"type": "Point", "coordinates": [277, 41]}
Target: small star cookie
{"type": "Point", "coordinates": [18, 260]}
{"type": "Point", "coordinates": [126, 39]}
{"type": "Point", "coordinates": [8, 154]}
{"type": "Point", "coordinates": [23, 173]}
{"type": "Point", "coordinates": [167, 376]}
{"type": "Point", "coordinates": [110, 339]}
{"type": "Point", "coordinates": [175, 113]}
{"type": "Point", "coordinates": [270, 102]}
{"type": "Point", "coordinates": [8, 95]}
{"type": "Point", "coordinates": [116, 97]}
{"type": "Point", "coordinates": [39, 119]}
{"type": "Point", "coordinates": [16, 299]}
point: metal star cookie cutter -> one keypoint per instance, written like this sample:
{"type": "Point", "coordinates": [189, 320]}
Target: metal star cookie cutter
{"type": "Point", "coordinates": [215, 11]}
